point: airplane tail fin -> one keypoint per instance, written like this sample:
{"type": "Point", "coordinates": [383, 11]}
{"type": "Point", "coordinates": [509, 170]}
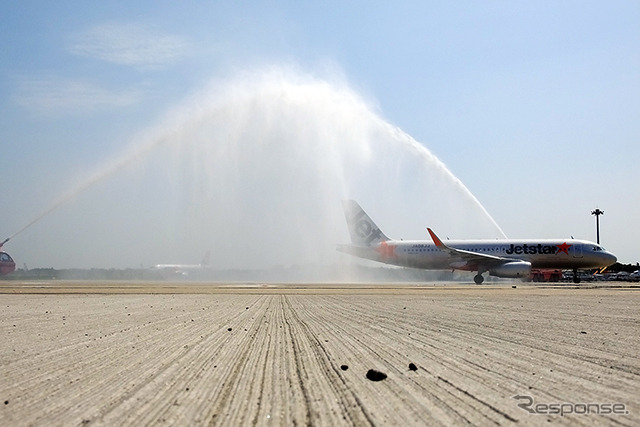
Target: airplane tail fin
{"type": "Point", "coordinates": [363, 231]}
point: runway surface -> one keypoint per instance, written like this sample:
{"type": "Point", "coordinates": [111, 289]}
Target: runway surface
{"type": "Point", "coordinates": [114, 353]}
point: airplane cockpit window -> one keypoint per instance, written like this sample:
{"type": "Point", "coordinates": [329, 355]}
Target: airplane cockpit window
{"type": "Point", "coordinates": [4, 257]}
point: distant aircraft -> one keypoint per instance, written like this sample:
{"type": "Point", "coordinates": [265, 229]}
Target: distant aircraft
{"type": "Point", "coordinates": [501, 257]}
{"type": "Point", "coordinates": [185, 269]}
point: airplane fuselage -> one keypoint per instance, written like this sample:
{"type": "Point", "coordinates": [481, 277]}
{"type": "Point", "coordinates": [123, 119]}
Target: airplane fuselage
{"type": "Point", "coordinates": [548, 253]}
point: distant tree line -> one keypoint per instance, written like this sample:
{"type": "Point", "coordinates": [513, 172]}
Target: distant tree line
{"type": "Point", "coordinates": [294, 273]}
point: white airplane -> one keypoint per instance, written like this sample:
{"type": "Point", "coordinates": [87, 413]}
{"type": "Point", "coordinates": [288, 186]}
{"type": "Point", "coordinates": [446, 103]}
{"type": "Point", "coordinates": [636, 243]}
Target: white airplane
{"type": "Point", "coordinates": [501, 257]}
{"type": "Point", "coordinates": [184, 269]}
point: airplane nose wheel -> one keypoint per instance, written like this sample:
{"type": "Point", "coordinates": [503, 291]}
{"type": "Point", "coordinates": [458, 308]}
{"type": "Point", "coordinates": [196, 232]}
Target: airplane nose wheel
{"type": "Point", "coordinates": [478, 279]}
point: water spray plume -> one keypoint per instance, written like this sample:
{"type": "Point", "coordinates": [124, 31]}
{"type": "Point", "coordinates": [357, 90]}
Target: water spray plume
{"type": "Point", "coordinates": [254, 168]}
{"type": "Point", "coordinates": [98, 176]}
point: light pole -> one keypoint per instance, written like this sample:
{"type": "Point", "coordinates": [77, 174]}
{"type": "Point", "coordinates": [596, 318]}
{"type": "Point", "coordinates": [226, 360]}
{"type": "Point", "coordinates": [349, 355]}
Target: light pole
{"type": "Point", "coordinates": [597, 213]}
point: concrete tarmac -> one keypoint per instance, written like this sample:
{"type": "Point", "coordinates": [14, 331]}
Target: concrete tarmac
{"type": "Point", "coordinates": [114, 353]}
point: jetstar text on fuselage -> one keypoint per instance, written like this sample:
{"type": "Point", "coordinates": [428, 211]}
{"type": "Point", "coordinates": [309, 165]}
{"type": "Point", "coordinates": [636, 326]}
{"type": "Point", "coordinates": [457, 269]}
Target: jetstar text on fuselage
{"type": "Point", "coordinates": [537, 249]}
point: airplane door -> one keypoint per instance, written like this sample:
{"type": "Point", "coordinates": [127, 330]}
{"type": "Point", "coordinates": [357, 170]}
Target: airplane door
{"type": "Point", "coordinates": [577, 251]}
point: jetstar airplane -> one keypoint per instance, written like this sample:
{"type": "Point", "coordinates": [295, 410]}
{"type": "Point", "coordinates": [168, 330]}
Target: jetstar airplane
{"type": "Point", "coordinates": [500, 257]}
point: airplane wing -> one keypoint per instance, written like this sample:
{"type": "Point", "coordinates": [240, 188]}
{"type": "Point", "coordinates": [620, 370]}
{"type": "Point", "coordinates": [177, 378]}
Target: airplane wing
{"type": "Point", "coordinates": [467, 258]}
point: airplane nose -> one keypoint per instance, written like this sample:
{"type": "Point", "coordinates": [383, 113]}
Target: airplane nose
{"type": "Point", "coordinates": [611, 258]}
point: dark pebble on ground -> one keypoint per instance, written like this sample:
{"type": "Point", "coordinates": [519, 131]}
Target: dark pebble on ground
{"type": "Point", "coordinates": [374, 375]}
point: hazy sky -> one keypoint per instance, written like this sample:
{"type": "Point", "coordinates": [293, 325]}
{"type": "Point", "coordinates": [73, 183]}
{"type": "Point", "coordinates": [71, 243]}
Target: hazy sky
{"type": "Point", "coordinates": [534, 106]}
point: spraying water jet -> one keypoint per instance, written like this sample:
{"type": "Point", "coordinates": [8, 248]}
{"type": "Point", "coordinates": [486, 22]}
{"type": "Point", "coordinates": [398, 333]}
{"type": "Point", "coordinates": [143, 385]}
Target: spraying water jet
{"type": "Point", "coordinates": [254, 169]}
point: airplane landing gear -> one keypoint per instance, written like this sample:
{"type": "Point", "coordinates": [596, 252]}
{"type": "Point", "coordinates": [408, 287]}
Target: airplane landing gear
{"type": "Point", "coordinates": [478, 279]}
{"type": "Point", "coordinates": [576, 278]}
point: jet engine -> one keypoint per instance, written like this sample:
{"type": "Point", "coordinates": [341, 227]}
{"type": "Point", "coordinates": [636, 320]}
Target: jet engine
{"type": "Point", "coordinates": [513, 269]}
